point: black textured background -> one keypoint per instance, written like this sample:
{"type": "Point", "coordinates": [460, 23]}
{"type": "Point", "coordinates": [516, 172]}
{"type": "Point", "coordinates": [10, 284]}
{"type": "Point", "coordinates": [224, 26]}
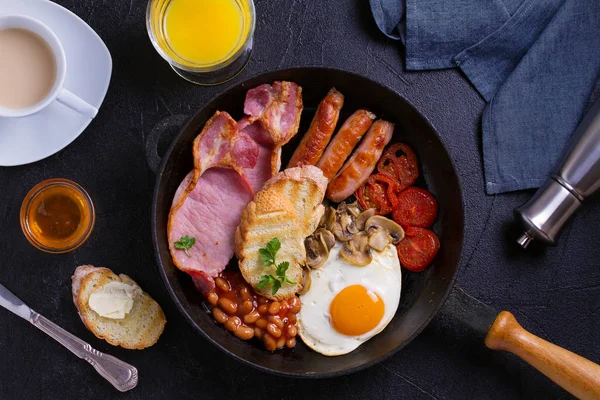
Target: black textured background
{"type": "Point", "coordinates": [553, 292]}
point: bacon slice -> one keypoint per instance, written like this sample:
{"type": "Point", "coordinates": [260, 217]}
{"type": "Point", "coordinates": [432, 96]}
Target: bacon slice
{"type": "Point", "coordinates": [232, 161]}
{"type": "Point", "coordinates": [277, 108]}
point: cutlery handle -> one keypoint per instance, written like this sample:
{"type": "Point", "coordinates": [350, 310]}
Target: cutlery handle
{"type": "Point", "coordinates": [121, 375]}
{"type": "Point", "coordinates": [577, 375]}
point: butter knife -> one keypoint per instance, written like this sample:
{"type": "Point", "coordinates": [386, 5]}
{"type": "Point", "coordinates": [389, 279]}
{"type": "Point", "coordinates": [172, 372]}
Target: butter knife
{"type": "Point", "coordinates": [121, 375]}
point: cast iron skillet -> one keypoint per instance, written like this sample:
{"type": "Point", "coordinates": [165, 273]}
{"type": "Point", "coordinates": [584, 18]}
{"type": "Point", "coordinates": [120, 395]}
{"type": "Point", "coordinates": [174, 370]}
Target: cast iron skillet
{"type": "Point", "coordinates": [423, 294]}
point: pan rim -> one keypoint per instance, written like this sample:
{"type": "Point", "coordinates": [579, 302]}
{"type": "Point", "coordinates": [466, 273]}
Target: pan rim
{"type": "Point", "coordinates": [190, 320]}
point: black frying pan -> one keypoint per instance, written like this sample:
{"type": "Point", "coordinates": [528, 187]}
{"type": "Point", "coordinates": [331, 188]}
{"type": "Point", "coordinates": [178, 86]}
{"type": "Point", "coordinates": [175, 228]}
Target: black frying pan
{"type": "Point", "coordinates": [423, 294]}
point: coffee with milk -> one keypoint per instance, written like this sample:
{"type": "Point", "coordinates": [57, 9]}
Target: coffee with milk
{"type": "Point", "coordinates": [27, 68]}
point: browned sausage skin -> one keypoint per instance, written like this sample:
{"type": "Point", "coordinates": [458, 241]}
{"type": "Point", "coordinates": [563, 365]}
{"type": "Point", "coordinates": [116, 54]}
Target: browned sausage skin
{"type": "Point", "coordinates": [360, 165]}
{"type": "Point", "coordinates": [311, 148]}
{"type": "Point", "coordinates": [344, 141]}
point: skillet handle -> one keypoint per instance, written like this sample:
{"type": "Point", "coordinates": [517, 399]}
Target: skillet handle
{"type": "Point", "coordinates": [153, 139]}
{"type": "Point", "coordinates": [575, 374]}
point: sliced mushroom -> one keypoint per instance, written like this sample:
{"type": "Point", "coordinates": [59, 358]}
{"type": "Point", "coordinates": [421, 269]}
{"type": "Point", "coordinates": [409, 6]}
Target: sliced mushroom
{"type": "Point", "coordinates": [306, 281]}
{"type": "Point", "coordinates": [328, 219]}
{"type": "Point", "coordinates": [317, 251]}
{"type": "Point", "coordinates": [353, 209]}
{"type": "Point", "coordinates": [361, 220]}
{"type": "Point", "coordinates": [379, 239]}
{"type": "Point", "coordinates": [377, 222]}
{"type": "Point", "coordinates": [357, 250]}
{"type": "Point", "coordinates": [326, 237]}
{"type": "Point", "coordinates": [344, 228]}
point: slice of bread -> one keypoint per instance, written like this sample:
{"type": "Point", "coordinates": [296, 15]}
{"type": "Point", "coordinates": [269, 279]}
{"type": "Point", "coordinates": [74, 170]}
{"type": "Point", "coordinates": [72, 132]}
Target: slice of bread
{"type": "Point", "coordinates": [304, 187]}
{"type": "Point", "coordinates": [287, 208]}
{"type": "Point", "coordinates": [270, 216]}
{"type": "Point", "coordinates": [140, 328]}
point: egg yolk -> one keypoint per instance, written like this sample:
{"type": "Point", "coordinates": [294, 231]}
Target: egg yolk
{"type": "Point", "coordinates": [356, 310]}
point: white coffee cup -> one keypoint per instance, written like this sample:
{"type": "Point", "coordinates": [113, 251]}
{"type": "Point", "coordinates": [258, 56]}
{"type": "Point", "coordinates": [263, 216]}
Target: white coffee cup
{"type": "Point", "coordinates": [57, 92]}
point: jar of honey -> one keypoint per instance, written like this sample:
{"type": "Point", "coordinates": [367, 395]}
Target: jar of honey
{"type": "Point", "coordinates": [57, 216]}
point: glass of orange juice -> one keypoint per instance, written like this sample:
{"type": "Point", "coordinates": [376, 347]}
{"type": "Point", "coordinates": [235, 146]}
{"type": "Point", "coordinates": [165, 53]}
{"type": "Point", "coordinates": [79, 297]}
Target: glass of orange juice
{"type": "Point", "coordinates": [207, 42]}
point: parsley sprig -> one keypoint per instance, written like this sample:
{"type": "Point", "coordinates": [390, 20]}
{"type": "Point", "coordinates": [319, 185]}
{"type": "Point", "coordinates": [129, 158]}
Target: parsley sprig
{"type": "Point", "coordinates": [185, 243]}
{"type": "Point", "coordinates": [268, 254]}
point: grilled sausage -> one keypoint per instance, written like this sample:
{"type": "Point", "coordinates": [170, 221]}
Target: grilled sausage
{"type": "Point", "coordinates": [360, 165]}
{"type": "Point", "coordinates": [344, 141]}
{"type": "Point", "coordinates": [311, 148]}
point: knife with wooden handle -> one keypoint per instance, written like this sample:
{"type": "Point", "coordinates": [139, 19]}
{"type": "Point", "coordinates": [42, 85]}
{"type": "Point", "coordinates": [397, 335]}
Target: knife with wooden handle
{"type": "Point", "coordinates": [121, 375]}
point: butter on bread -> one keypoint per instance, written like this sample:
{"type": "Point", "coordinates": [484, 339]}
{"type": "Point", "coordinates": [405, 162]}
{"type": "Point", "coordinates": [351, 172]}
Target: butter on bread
{"type": "Point", "coordinates": [287, 208]}
{"type": "Point", "coordinates": [140, 328]}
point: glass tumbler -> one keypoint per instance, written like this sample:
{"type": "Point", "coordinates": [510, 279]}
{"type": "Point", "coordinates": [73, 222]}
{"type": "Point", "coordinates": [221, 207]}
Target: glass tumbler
{"type": "Point", "coordinates": [207, 73]}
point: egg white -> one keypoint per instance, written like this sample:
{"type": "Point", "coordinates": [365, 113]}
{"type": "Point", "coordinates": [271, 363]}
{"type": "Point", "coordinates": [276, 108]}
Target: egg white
{"type": "Point", "coordinates": [382, 276]}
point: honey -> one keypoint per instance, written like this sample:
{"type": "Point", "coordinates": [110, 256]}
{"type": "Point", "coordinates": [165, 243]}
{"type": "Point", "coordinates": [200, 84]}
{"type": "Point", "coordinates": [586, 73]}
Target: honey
{"type": "Point", "coordinates": [57, 216]}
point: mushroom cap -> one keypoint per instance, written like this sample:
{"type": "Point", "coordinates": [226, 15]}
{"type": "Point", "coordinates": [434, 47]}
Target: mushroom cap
{"type": "Point", "coordinates": [379, 239]}
{"type": "Point", "coordinates": [328, 219]}
{"type": "Point", "coordinates": [362, 218]}
{"type": "Point", "coordinates": [379, 222]}
{"type": "Point", "coordinates": [357, 250]}
{"type": "Point", "coordinates": [344, 228]}
{"type": "Point", "coordinates": [317, 251]}
{"type": "Point", "coordinates": [326, 237]}
{"type": "Point", "coordinates": [306, 280]}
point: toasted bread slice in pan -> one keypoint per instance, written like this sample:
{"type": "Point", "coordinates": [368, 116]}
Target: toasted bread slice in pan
{"type": "Point", "coordinates": [288, 208]}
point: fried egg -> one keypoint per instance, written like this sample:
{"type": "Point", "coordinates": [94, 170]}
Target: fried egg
{"type": "Point", "coordinates": [346, 304]}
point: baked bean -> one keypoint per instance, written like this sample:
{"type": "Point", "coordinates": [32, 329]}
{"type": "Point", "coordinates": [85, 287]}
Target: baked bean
{"type": "Point", "coordinates": [263, 309]}
{"type": "Point", "coordinates": [274, 330]}
{"type": "Point", "coordinates": [270, 343]}
{"type": "Point", "coordinates": [233, 324]}
{"type": "Point", "coordinates": [295, 304]}
{"type": "Point", "coordinates": [284, 305]}
{"type": "Point", "coordinates": [246, 307]}
{"type": "Point", "coordinates": [281, 342]}
{"type": "Point", "coordinates": [274, 307]}
{"type": "Point", "coordinates": [212, 298]}
{"type": "Point", "coordinates": [258, 332]}
{"type": "Point", "coordinates": [261, 323]}
{"type": "Point", "coordinates": [222, 284]}
{"type": "Point", "coordinates": [244, 333]}
{"type": "Point", "coordinates": [276, 320]}
{"type": "Point", "coordinates": [251, 317]}
{"type": "Point", "coordinates": [227, 305]}
{"type": "Point", "coordinates": [245, 293]}
{"type": "Point", "coordinates": [219, 315]}
{"type": "Point", "coordinates": [292, 331]}
{"type": "Point", "coordinates": [247, 314]}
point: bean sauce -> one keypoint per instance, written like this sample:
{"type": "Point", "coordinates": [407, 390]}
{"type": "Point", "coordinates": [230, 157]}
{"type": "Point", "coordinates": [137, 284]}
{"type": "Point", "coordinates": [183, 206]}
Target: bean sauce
{"type": "Point", "coordinates": [247, 314]}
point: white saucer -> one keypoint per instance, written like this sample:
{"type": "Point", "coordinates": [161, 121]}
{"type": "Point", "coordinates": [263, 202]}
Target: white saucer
{"type": "Point", "coordinates": [89, 66]}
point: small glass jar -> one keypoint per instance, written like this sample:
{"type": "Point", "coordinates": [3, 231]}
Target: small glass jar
{"type": "Point", "coordinates": [57, 216]}
{"type": "Point", "coordinates": [206, 74]}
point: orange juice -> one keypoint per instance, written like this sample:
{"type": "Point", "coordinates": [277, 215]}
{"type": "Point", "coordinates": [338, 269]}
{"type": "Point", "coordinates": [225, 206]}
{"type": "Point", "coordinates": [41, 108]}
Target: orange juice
{"type": "Point", "coordinates": [205, 32]}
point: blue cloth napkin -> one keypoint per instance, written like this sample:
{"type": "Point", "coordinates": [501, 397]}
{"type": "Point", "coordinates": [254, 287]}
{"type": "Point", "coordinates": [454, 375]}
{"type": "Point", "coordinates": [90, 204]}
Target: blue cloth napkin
{"type": "Point", "coordinates": [536, 63]}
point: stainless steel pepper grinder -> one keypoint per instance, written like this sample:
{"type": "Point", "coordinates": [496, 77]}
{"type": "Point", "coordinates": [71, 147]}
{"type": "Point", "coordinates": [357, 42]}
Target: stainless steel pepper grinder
{"type": "Point", "coordinates": [577, 177]}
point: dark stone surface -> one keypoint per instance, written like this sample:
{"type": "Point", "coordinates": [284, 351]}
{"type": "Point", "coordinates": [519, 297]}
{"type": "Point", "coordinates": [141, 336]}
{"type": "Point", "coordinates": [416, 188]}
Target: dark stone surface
{"type": "Point", "coordinates": [554, 292]}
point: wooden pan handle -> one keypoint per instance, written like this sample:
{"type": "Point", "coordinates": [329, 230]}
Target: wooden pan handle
{"type": "Point", "coordinates": [575, 374]}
